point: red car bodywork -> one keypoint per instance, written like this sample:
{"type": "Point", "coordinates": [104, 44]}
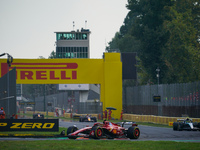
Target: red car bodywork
{"type": "Point", "coordinates": [108, 129]}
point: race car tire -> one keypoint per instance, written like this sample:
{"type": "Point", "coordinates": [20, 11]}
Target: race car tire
{"type": "Point", "coordinates": [85, 120]}
{"type": "Point", "coordinates": [94, 119]}
{"type": "Point", "coordinates": [175, 126]}
{"type": "Point", "coordinates": [195, 124]}
{"type": "Point", "coordinates": [71, 129]}
{"type": "Point", "coordinates": [198, 125]}
{"type": "Point", "coordinates": [133, 132]}
{"type": "Point", "coordinates": [80, 120]}
{"type": "Point", "coordinates": [98, 132]}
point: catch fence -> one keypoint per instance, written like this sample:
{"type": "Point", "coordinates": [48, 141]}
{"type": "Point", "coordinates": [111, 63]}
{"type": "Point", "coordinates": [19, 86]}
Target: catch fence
{"type": "Point", "coordinates": [176, 100]}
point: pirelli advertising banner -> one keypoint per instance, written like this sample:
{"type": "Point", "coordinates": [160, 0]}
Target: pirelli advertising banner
{"type": "Point", "coordinates": [29, 125]}
{"type": "Point", "coordinates": [107, 72]}
{"type": "Point", "coordinates": [54, 71]}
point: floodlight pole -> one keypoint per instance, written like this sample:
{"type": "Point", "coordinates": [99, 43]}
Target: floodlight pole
{"type": "Point", "coordinates": [158, 75]}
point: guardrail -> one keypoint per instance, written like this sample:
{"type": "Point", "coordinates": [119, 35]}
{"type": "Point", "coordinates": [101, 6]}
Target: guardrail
{"type": "Point", "coordinates": [154, 119]}
{"type": "Point", "coordinates": [132, 117]}
{"type": "Point", "coordinates": [67, 115]}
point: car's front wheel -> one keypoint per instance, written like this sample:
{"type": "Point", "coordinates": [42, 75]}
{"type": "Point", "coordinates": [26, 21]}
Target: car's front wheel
{"type": "Point", "coordinates": [71, 129]}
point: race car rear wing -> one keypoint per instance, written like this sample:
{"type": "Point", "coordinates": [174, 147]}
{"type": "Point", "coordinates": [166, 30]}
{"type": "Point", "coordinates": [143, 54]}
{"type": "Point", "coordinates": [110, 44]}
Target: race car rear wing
{"type": "Point", "coordinates": [178, 120]}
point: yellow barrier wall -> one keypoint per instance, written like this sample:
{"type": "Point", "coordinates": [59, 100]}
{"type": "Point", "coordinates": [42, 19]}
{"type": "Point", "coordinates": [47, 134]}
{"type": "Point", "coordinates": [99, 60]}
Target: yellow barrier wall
{"type": "Point", "coordinates": [132, 117]}
{"type": "Point", "coordinates": [67, 115]}
{"type": "Point", "coordinates": [154, 119]}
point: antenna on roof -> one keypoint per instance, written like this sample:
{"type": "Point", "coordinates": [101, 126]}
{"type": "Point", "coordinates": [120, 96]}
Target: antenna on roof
{"type": "Point", "coordinates": [85, 24]}
{"type": "Point", "coordinates": [105, 44]}
{"type": "Point", "coordinates": [73, 25]}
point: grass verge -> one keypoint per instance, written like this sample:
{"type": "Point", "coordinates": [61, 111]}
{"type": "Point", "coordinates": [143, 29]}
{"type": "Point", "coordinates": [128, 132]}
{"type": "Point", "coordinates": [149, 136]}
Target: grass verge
{"type": "Point", "coordinates": [97, 144]}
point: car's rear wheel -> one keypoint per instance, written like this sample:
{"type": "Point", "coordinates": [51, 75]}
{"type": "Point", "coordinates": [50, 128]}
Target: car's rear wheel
{"type": "Point", "coordinates": [133, 132]}
{"type": "Point", "coordinates": [195, 124]}
{"type": "Point", "coordinates": [94, 119]}
{"type": "Point", "coordinates": [97, 132]}
{"type": "Point", "coordinates": [198, 125]}
{"type": "Point", "coordinates": [71, 129]}
{"type": "Point", "coordinates": [80, 119]}
{"type": "Point", "coordinates": [175, 126]}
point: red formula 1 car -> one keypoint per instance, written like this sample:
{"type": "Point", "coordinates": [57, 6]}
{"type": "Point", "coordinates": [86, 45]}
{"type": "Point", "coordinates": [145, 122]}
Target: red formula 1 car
{"type": "Point", "coordinates": [106, 130]}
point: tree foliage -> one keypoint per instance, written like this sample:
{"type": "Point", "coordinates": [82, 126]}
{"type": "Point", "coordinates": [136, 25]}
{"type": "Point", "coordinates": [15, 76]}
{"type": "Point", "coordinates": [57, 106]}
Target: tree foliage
{"type": "Point", "coordinates": [164, 34]}
{"type": "Point", "coordinates": [181, 52]}
{"type": "Point", "coordinates": [52, 55]}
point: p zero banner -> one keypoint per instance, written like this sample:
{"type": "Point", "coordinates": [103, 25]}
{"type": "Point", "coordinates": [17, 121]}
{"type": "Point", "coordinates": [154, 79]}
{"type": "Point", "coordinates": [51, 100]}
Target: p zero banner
{"type": "Point", "coordinates": [107, 72]}
{"type": "Point", "coordinates": [29, 125]}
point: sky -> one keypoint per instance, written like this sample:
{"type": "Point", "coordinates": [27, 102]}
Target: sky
{"type": "Point", "coordinates": [27, 27]}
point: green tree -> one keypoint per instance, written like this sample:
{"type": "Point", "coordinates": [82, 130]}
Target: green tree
{"type": "Point", "coordinates": [165, 34]}
{"type": "Point", "coordinates": [148, 29]}
{"type": "Point", "coordinates": [123, 40]}
{"type": "Point", "coordinates": [181, 54]}
{"type": "Point", "coordinates": [114, 44]}
{"type": "Point", "coordinates": [52, 55]}
{"type": "Point", "coordinates": [41, 57]}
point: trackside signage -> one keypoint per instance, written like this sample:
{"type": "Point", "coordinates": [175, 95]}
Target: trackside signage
{"type": "Point", "coordinates": [54, 71]}
{"type": "Point", "coordinates": [29, 125]}
{"type": "Point", "coordinates": [107, 72]}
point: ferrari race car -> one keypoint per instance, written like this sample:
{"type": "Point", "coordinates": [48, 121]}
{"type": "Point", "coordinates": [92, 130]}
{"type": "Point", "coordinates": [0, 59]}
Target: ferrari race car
{"type": "Point", "coordinates": [106, 130]}
{"type": "Point", "coordinates": [185, 124]}
{"type": "Point", "coordinates": [87, 118]}
{"type": "Point", "coordinates": [38, 116]}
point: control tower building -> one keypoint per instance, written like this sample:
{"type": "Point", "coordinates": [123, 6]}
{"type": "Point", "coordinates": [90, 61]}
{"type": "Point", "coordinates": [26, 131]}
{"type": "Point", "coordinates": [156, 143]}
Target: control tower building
{"type": "Point", "coordinates": [76, 44]}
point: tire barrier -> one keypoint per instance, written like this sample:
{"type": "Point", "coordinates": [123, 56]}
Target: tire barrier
{"type": "Point", "coordinates": [154, 119]}
{"type": "Point", "coordinates": [52, 114]}
{"type": "Point", "coordinates": [134, 117]}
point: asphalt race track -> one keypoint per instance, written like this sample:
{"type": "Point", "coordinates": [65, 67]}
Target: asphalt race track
{"type": "Point", "coordinates": [148, 133]}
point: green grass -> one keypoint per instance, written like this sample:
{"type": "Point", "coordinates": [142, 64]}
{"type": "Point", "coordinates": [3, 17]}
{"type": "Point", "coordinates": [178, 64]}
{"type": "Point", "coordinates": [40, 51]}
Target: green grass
{"type": "Point", "coordinates": [97, 144]}
{"type": "Point", "coordinates": [91, 144]}
{"type": "Point", "coordinates": [153, 124]}
{"type": "Point", "coordinates": [34, 132]}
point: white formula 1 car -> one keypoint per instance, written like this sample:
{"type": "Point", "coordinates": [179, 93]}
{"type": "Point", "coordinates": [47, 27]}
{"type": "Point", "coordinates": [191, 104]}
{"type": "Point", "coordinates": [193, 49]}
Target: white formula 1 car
{"type": "Point", "coordinates": [186, 124]}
